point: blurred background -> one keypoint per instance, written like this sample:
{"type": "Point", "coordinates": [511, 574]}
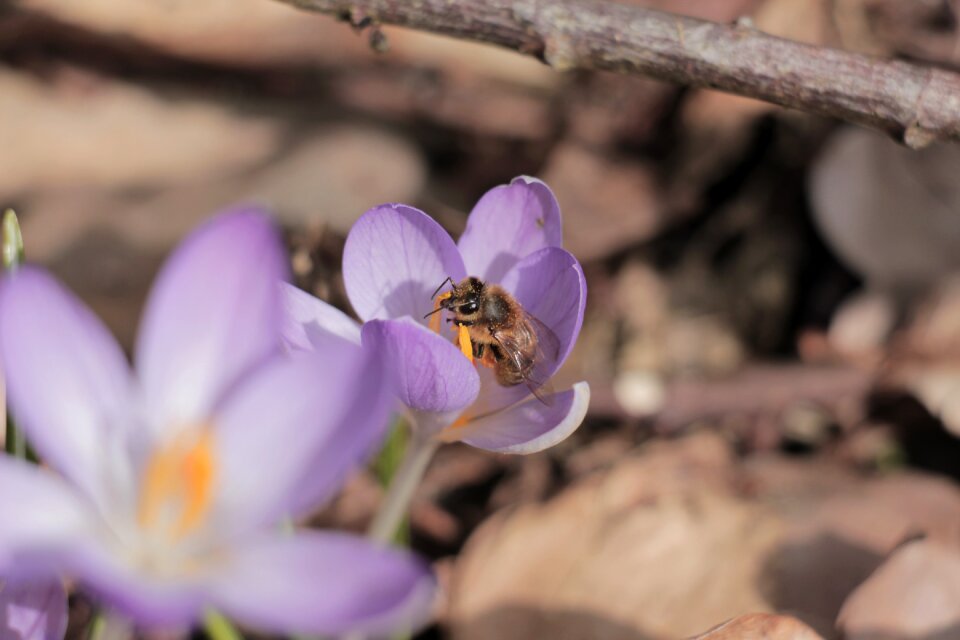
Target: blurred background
{"type": "Point", "coordinates": [772, 334]}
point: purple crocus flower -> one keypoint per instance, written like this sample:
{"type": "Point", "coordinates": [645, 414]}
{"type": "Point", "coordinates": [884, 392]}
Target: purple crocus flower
{"type": "Point", "coordinates": [32, 609]}
{"type": "Point", "coordinates": [396, 257]}
{"type": "Point", "coordinates": [171, 482]}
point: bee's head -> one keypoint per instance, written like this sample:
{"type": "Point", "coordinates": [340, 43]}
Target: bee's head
{"type": "Point", "coordinates": [465, 298]}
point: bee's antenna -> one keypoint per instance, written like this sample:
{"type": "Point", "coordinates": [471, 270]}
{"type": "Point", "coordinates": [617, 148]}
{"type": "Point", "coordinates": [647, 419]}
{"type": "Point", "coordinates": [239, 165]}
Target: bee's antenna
{"type": "Point", "coordinates": [433, 312]}
{"type": "Point", "coordinates": [449, 279]}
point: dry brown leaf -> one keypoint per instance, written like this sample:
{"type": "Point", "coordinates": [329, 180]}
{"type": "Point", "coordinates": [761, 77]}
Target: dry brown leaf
{"type": "Point", "coordinates": [328, 176]}
{"type": "Point", "coordinates": [915, 595]}
{"type": "Point", "coordinates": [647, 550]}
{"type": "Point", "coordinates": [84, 130]}
{"type": "Point", "coordinates": [860, 328]}
{"type": "Point", "coordinates": [840, 532]}
{"type": "Point", "coordinates": [107, 242]}
{"type": "Point", "coordinates": [761, 626]}
{"type": "Point", "coordinates": [681, 537]}
{"type": "Point", "coordinates": [223, 30]}
{"type": "Point", "coordinates": [927, 359]}
{"type": "Point", "coordinates": [333, 175]}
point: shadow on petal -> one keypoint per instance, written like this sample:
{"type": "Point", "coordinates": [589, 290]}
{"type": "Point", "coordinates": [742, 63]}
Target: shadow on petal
{"type": "Point", "coordinates": [529, 426]}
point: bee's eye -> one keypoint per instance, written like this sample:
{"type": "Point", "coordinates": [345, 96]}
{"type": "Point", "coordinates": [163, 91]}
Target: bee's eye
{"type": "Point", "coordinates": [467, 309]}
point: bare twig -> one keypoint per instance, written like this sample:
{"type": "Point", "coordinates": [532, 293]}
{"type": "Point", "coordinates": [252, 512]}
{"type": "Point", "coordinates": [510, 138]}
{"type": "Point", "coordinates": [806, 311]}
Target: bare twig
{"type": "Point", "coordinates": [913, 103]}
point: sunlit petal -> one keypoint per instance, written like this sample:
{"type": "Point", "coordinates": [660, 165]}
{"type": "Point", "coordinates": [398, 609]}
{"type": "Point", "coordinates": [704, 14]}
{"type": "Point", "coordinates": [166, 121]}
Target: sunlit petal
{"type": "Point", "coordinates": [67, 380]}
{"type": "Point", "coordinates": [394, 259]}
{"type": "Point", "coordinates": [507, 224]}
{"type": "Point", "coordinates": [324, 583]}
{"type": "Point", "coordinates": [213, 313]}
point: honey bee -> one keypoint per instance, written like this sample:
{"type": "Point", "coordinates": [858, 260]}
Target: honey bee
{"type": "Point", "coordinates": [504, 336]}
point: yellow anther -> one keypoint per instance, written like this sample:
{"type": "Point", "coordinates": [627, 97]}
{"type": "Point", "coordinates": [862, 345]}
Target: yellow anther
{"type": "Point", "coordinates": [159, 482]}
{"type": "Point", "coordinates": [198, 474]}
{"type": "Point", "coordinates": [463, 338]}
{"type": "Point", "coordinates": [177, 487]}
{"type": "Point", "coordinates": [435, 318]}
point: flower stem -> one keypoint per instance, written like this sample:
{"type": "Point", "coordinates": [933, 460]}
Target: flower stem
{"type": "Point", "coordinates": [16, 446]}
{"type": "Point", "coordinates": [11, 254]}
{"type": "Point", "coordinates": [218, 627]}
{"type": "Point", "coordinates": [404, 483]}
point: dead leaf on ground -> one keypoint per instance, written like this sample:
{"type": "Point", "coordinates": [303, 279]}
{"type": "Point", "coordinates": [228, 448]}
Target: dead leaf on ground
{"type": "Point", "coordinates": [106, 241]}
{"type": "Point", "coordinates": [680, 537]}
{"type": "Point", "coordinates": [914, 595]}
{"type": "Point", "coordinates": [627, 554]}
{"type": "Point", "coordinates": [927, 357]}
{"type": "Point", "coordinates": [840, 526]}
{"type": "Point", "coordinates": [223, 30]}
{"type": "Point", "coordinates": [82, 130]}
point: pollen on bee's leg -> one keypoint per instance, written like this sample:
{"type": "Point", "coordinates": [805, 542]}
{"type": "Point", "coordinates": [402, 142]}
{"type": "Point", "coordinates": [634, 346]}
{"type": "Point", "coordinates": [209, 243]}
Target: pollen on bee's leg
{"type": "Point", "coordinates": [463, 338]}
{"type": "Point", "coordinates": [435, 318]}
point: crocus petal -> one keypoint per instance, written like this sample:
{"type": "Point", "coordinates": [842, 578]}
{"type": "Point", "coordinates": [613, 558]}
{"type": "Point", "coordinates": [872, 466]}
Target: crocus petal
{"type": "Point", "coordinates": [394, 259]}
{"type": "Point", "coordinates": [67, 379]}
{"type": "Point", "coordinates": [529, 426]}
{"type": "Point", "coordinates": [507, 224]}
{"type": "Point", "coordinates": [353, 441]}
{"type": "Point", "coordinates": [323, 583]}
{"type": "Point", "coordinates": [33, 609]}
{"type": "Point", "coordinates": [40, 513]}
{"type": "Point", "coordinates": [213, 313]}
{"type": "Point", "coordinates": [309, 323]}
{"type": "Point", "coordinates": [153, 602]}
{"type": "Point", "coordinates": [313, 415]}
{"type": "Point", "coordinates": [428, 372]}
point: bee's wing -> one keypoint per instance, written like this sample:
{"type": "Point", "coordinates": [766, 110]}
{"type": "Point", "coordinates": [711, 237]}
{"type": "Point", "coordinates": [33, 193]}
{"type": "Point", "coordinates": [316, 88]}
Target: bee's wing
{"type": "Point", "coordinates": [548, 344]}
{"type": "Point", "coordinates": [544, 356]}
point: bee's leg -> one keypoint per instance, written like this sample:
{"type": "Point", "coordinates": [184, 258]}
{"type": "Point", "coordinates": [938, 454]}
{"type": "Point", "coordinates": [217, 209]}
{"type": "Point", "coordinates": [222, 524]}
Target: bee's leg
{"type": "Point", "coordinates": [489, 357]}
{"type": "Point", "coordinates": [478, 350]}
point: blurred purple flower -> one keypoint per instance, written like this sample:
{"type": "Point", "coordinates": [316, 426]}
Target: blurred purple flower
{"type": "Point", "coordinates": [172, 482]}
{"type": "Point", "coordinates": [394, 259]}
{"type": "Point", "coordinates": [32, 609]}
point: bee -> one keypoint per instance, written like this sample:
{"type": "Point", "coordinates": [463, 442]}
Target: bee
{"type": "Point", "coordinates": [504, 336]}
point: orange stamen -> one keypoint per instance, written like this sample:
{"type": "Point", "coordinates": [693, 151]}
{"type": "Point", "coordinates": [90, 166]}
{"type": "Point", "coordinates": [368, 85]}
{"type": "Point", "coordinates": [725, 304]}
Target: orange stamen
{"type": "Point", "coordinates": [179, 481]}
{"type": "Point", "coordinates": [435, 318]}
{"type": "Point", "coordinates": [198, 474]}
{"type": "Point", "coordinates": [466, 347]}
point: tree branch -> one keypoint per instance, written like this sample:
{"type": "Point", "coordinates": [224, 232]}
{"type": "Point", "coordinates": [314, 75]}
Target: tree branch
{"type": "Point", "coordinates": [912, 103]}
